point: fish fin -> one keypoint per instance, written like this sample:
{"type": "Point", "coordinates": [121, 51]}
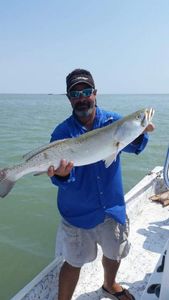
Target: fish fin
{"type": "Point", "coordinates": [5, 183]}
{"type": "Point", "coordinates": [108, 161]}
{"type": "Point", "coordinates": [40, 173]}
{"type": "Point", "coordinates": [34, 152]}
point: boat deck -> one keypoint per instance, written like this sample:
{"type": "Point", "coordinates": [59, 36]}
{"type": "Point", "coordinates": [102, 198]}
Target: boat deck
{"type": "Point", "coordinates": [148, 235]}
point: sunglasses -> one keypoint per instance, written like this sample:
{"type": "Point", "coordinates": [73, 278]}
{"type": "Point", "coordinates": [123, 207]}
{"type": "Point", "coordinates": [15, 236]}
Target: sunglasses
{"type": "Point", "coordinates": [84, 93]}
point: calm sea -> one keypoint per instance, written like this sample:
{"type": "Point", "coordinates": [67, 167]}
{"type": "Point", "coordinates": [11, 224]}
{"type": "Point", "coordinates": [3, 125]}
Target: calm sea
{"type": "Point", "coordinates": [28, 215]}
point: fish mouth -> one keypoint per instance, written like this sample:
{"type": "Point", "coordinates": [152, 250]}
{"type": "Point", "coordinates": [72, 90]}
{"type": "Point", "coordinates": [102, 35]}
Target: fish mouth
{"type": "Point", "coordinates": [148, 115]}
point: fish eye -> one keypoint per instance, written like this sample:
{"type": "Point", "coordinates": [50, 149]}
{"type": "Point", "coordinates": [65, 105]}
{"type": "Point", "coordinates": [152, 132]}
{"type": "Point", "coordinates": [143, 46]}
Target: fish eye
{"type": "Point", "coordinates": [138, 117]}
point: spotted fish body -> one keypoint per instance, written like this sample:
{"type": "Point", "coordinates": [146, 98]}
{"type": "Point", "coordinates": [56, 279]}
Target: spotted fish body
{"type": "Point", "coordinates": [96, 145]}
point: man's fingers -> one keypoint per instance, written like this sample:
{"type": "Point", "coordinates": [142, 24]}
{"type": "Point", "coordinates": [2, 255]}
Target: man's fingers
{"type": "Point", "coordinates": [150, 128]}
{"type": "Point", "coordinates": [63, 165]}
{"type": "Point", "coordinates": [69, 166]}
{"type": "Point", "coordinates": [63, 170]}
{"type": "Point", "coordinates": [51, 171]}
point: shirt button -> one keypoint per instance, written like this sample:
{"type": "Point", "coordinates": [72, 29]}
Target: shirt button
{"type": "Point", "coordinates": [104, 206]}
{"type": "Point", "coordinates": [101, 193]}
{"type": "Point", "coordinates": [98, 177]}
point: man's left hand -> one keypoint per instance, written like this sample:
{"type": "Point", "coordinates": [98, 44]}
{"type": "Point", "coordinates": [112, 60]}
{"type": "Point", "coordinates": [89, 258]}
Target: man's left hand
{"type": "Point", "coordinates": [149, 128]}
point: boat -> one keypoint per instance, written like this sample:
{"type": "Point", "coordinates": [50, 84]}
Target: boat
{"type": "Point", "coordinates": [145, 271]}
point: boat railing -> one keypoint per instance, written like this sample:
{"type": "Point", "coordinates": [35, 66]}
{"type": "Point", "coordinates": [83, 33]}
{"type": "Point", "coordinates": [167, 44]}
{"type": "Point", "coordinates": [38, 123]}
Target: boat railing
{"type": "Point", "coordinates": [163, 295]}
{"type": "Point", "coordinates": [166, 169]}
{"type": "Point", "coordinates": [164, 283]}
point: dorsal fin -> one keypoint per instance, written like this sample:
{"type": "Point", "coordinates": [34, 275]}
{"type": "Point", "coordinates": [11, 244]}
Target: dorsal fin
{"type": "Point", "coordinates": [36, 151]}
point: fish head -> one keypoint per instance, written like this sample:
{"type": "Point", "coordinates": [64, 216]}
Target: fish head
{"type": "Point", "coordinates": [144, 116]}
{"type": "Point", "coordinates": [133, 125]}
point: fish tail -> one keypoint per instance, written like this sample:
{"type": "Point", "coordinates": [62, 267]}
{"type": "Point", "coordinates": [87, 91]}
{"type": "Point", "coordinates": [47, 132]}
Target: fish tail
{"type": "Point", "coordinates": [6, 183]}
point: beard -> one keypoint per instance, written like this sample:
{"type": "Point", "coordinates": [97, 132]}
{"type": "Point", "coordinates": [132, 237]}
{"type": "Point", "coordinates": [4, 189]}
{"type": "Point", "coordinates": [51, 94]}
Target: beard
{"type": "Point", "coordinates": [84, 109]}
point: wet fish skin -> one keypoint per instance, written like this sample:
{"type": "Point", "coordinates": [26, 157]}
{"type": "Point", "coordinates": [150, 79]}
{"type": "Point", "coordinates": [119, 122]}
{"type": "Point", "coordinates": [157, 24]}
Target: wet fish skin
{"type": "Point", "coordinates": [100, 144]}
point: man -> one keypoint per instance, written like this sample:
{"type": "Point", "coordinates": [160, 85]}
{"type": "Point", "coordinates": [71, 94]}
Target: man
{"type": "Point", "coordinates": [90, 198]}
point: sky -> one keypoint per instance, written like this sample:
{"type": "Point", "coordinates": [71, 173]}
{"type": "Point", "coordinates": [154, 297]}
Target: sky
{"type": "Point", "coordinates": [123, 43]}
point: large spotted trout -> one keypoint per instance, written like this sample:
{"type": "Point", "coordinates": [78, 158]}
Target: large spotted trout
{"type": "Point", "coordinates": [100, 144]}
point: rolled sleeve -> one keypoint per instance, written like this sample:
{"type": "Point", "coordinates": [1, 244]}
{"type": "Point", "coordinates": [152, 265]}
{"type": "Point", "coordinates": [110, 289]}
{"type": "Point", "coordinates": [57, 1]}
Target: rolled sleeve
{"type": "Point", "coordinates": [63, 181]}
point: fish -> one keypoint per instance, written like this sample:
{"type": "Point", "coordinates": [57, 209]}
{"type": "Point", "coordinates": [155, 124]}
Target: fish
{"type": "Point", "coordinates": [163, 198]}
{"type": "Point", "coordinates": [101, 144]}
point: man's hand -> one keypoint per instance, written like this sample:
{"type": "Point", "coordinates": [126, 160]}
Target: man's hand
{"type": "Point", "coordinates": [149, 128]}
{"type": "Point", "coordinates": [63, 170]}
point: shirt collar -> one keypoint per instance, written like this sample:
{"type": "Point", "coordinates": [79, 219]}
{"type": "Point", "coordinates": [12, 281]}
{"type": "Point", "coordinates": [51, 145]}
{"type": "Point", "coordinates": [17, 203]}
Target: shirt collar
{"type": "Point", "coordinates": [100, 119]}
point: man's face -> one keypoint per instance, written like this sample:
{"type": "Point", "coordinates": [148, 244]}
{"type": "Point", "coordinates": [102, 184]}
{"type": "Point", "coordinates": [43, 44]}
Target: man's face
{"type": "Point", "coordinates": [84, 104]}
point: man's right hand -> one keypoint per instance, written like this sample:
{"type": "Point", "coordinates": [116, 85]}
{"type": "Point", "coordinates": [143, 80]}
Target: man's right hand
{"type": "Point", "coordinates": [63, 170]}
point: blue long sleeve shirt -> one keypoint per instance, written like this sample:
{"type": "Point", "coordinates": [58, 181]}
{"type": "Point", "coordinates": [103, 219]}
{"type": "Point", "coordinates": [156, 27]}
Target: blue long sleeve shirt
{"type": "Point", "coordinates": [93, 191]}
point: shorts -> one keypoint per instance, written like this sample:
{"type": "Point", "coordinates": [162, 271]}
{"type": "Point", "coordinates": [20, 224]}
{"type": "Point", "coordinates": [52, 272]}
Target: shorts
{"type": "Point", "coordinates": [78, 246]}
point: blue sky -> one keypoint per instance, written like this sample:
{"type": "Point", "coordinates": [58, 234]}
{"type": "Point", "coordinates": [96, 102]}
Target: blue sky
{"type": "Point", "coordinates": [124, 43]}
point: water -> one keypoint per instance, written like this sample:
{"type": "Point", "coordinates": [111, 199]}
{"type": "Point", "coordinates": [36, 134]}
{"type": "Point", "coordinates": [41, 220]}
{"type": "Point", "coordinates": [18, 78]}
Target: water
{"type": "Point", "coordinates": [28, 215]}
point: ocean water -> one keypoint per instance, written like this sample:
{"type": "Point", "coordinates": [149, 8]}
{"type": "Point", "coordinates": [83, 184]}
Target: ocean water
{"type": "Point", "coordinates": [28, 215]}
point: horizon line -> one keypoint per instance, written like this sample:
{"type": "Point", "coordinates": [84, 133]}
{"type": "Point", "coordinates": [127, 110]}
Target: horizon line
{"type": "Point", "coordinates": [64, 94]}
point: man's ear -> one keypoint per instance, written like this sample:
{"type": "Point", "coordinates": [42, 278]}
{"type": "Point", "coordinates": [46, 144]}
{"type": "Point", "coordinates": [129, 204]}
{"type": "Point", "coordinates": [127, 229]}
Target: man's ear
{"type": "Point", "coordinates": [69, 99]}
{"type": "Point", "coordinates": [95, 92]}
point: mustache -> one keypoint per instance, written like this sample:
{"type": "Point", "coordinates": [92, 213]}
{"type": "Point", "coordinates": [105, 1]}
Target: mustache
{"type": "Point", "coordinates": [81, 105]}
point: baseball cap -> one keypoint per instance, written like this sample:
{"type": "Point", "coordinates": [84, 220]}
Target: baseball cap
{"type": "Point", "coordinates": [79, 76]}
